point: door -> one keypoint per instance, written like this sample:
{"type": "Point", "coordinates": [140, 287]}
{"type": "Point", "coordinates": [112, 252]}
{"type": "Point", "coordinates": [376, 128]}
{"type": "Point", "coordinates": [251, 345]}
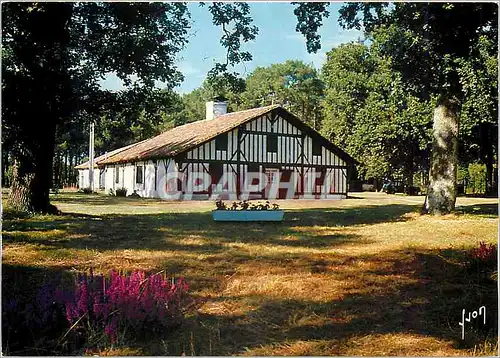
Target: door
{"type": "Point", "coordinates": [286, 176]}
{"type": "Point", "coordinates": [215, 171]}
{"type": "Point", "coordinates": [272, 177]}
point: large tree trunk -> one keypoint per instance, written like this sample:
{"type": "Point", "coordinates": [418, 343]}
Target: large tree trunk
{"type": "Point", "coordinates": [487, 142]}
{"type": "Point", "coordinates": [442, 190]}
{"type": "Point", "coordinates": [32, 176]}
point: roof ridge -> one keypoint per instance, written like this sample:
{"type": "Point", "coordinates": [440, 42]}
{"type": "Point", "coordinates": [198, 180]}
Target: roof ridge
{"type": "Point", "coordinates": [250, 109]}
{"type": "Point", "coordinates": [222, 115]}
{"type": "Point", "coordinates": [180, 138]}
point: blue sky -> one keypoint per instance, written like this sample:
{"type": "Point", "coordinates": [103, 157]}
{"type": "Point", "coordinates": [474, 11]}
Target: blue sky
{"type": "Point", "coordinates": [276, 42]}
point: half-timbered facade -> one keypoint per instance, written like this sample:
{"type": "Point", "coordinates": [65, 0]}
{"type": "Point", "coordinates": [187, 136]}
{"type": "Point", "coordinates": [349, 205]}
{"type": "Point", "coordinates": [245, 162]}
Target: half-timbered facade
{"type": "Point", "coordinates": [260, 153]}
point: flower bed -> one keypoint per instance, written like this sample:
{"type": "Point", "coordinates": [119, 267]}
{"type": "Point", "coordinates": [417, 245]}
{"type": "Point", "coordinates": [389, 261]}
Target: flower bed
{"type": "Point", "coordinates": [245, 211]}
{"type": "Point", "coordinates": [95, 312]}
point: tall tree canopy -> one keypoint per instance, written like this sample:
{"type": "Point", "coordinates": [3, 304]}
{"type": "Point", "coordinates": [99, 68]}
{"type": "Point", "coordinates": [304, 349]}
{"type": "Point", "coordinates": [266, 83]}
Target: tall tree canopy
{"type": "Point", "coordinates": [54, 55]}
{"type": "Point", "coordinates": [427, 42]}
{"type": "Point", "coordinates": [369, 113]}
{"type": "Point", "coordinates": [292, 84]}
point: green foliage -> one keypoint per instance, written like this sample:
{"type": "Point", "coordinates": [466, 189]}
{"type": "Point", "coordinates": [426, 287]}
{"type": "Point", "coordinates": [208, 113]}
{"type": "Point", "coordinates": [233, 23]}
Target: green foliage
{"type": "Point", "coordinates": [86, 190]}
{"type": "Point", "coordinates": [133, 116]}
{"type": "Point", "coordinates": [309, 20]}
{"type": "Point", "coordinates": [424, 51]}
{"type": "Point", "coordinates": [51, 73]}
{"type": "Point", "coordinates": [292, 84]}
{"type": "Point", "coordinates": [235, 21]}
{"type": "Point", "coordinates": [477, 178]}
{"type": "Point", "coordinates": [462, 174]}
{"type": "Point", "coordinates": [345, 74]}
{"type": "Point", "coordinates": [369, 112]}
{"type": "Point", "coordinates": [190, 107]}
{"type": "Point", "coordinates": [479, 113]}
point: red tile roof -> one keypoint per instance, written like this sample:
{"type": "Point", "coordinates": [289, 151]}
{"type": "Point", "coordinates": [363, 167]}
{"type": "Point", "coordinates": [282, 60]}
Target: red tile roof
{"type": "Point", "coordinates": [182, 138]}
{"type": "Point", "coordinates": [98, 159]}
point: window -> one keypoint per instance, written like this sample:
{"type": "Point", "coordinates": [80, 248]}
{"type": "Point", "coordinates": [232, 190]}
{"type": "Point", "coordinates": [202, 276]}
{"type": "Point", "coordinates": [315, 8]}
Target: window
{"type": "Point", "coordinates": [221, 142]}
{"type": "Point", "coordinates": [272, 143]}
{"type": "Point", "coordinates": [117, 174]}
{"type": "Point", "coordinates": [102, 178]}
{"type": "Point", "coordinates": [156, 172]}
{"type": "Point", "coordinates": [317, 148]}
{"type": "Point", "coordinates": [320, 180]}
{"type": "Point", "coordinates": [216, 171]}
{"type": "Point", "coordinates": [139, 174]}
{"type": "Point", "coordinates": [253, 168]}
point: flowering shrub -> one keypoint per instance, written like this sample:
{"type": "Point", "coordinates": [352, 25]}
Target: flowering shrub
{"type": "Point", "coordinates": [86, 190]}
{"type": "Point", "coordinates": [33, 322]}
{"type": "Point", "coordinates": [124, 303]}
{"type": "Point", "coordinates": [483, 259]}
{"type": "Point", "coordinates": [94, 311]}
{"type": "Point", "coordinates": [485, 252]}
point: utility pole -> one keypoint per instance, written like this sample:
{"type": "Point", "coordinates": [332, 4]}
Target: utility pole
{"type": "Point", "coordinates": [91, 157]}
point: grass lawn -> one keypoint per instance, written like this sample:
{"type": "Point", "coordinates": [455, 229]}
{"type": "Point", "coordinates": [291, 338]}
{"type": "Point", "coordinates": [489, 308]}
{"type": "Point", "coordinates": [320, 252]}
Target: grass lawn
{"type": "Point", "coordinates": [364, 276]}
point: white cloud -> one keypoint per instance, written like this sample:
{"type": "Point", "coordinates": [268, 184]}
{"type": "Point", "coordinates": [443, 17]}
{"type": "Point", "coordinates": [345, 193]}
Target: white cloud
{"type": "Point", "coordinates": [317, 59]}
{"type": "Point", "coordinates": [188, 69]}
{"type": "Point", "coordinates": [113, 83]}
{"type": "Point", "coordinates": [295, 37]}
{"type": "Point", "coordinates": [340, 38]}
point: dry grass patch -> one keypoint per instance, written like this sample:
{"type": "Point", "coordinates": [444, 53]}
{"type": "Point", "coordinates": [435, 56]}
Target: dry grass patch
{"type": "Point", "coordinates": [363, 276]}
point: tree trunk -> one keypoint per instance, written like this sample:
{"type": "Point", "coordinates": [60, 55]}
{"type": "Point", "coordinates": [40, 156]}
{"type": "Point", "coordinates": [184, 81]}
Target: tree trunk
{"type": "Point", "coordinates": [32, 176]}
{"type": "Point", "coordinates": [442, 190]}
{"type": "Point", "coordinates": [56, 180]}
{"type": "Point", "coordinates": [5, 167]}
{"type": "Point", "coordinates": [486, 152]}
{"type": "Point", "coordinates": [66, 168]}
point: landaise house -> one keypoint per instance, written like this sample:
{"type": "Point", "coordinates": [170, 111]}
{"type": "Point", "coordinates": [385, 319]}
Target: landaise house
{"type": "Point", "coordinates": [267, 140]}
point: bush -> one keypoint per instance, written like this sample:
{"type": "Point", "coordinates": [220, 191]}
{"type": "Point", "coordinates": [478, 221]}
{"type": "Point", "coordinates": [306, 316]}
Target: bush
{"type": "Point", "coordinates": [85, 190]}
{"type": "Point", "coordinates": [477, 178]}
{"type": "Point", "coordinates": [483, 259]}
{"type": "Point", "coordinates": [121, 192]}
{"type": "Point", "coordinates": [134, 195]}
{"type": "Point", "coordinates": [94, 312]}
{"type": "Point", "coordinates": [388, 188]}
{"type": "Point", "coordinates": [135, 304]}
{"type": "Point", "coordinates": [412, 190]}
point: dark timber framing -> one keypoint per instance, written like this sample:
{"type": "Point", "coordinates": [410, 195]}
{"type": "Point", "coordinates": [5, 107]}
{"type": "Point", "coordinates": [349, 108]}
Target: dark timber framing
{"type": "Point", "coordinates": [295, 141]}
{"type": "Point", "coordinates": [245, 146]}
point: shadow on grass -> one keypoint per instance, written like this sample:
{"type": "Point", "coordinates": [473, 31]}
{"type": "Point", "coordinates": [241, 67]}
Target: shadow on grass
{"type": "Point", "coordinates": [409, 292]}
{"type": "Point", "coordinates": [488, 210]}
{"type": "Point", "coordinates": [163, 231]}
{"type": "Point", "coordinates": [26, 330]}
{"type": "Point", "coordinates": [427, 300]}
{"type": "Point", "coordinates": [100, 199]}
{"type": "Point", "coordinates": [397, 292]}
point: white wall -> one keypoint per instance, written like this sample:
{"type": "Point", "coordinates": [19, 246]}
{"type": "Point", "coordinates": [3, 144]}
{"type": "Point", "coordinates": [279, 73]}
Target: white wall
{"type": "Point", "coordinates": [83, 178]}
{"type": "Point", "coordinates": [254, 145]}
{"type": "Point", "coordinates": [149, 180]}
{"type": "Point", "coordinates": [254, 150]}
{"type": "Point", "coordinates": [109, 180]}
